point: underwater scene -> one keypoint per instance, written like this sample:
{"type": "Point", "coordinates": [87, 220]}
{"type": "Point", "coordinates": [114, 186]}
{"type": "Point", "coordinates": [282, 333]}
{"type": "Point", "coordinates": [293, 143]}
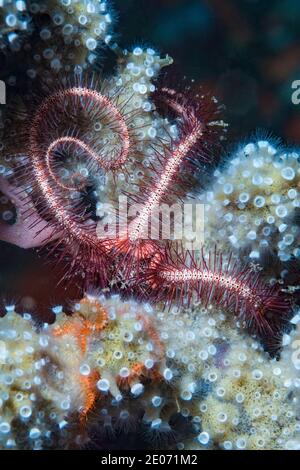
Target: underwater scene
{"type": "Point", "coordinates": [150, 226]}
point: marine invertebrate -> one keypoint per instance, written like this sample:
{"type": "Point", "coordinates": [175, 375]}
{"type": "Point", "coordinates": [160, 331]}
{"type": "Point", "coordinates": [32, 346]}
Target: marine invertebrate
{"type": "Point", "coordinates": [53, 377]}
{"type": "Point", "coordinates": [198, 129]}
{"type": "Point", "coordinates": [70, 33]}
{"type": "Point", "coordinates": [252, 204]}
{"type": "Point", "coordinates": [212, 278]}
{"type": "Point", "coordinates": [131, 92]}
{"type": "Point", "coordinates": [80, 327]}
{"type": "Point", "coordinates": [32, 410]}
{"type": "Point", "coordinates": [57, 182]}
{"type": "Point", "coordinates": [59, 197]}
{"type": "Point", "coordinates": [114, 341]}
{"type": "Point", "coordinates": [290, 356]}
{"type": "Point", "coordinates": [14, 25]}
{"type": "Point", "coordinates": [257, 400]}
{"type": "Point", "coordinates": [106, 132]}
{"type": "Point", "coordinates": [186, 375]}
{"type": "Point", "coordinates": [233, 394]}
{"type": "Point", "coordinates": [116, 367]}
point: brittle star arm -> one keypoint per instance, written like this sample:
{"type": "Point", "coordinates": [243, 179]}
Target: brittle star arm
{"type": "Point", "coordinates": [29, 230]}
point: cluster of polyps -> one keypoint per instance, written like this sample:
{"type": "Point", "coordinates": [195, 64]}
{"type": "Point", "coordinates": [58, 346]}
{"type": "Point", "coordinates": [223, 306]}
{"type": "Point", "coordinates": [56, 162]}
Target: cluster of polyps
{"type": "Point", "coordinates": [252, 203]}
{"type": "Point", "coordinates": [178, 279]}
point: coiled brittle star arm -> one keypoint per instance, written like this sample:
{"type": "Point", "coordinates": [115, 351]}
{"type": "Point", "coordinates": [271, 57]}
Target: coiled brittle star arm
{"type": "Point", "coordinates": [48, 151]}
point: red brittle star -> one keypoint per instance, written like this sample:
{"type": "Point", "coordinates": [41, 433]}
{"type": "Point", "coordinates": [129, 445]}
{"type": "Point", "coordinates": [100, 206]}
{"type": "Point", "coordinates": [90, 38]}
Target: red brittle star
{"type": "Point", "coordinates": [86, 326]}
{"type": "Point", "coordinates": [197, 125]}
{"type": "Point", "coordinates": [227, 284]}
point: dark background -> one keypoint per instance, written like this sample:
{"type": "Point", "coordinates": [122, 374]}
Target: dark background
{"type": "Point", "coordinates": [247, 52]}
